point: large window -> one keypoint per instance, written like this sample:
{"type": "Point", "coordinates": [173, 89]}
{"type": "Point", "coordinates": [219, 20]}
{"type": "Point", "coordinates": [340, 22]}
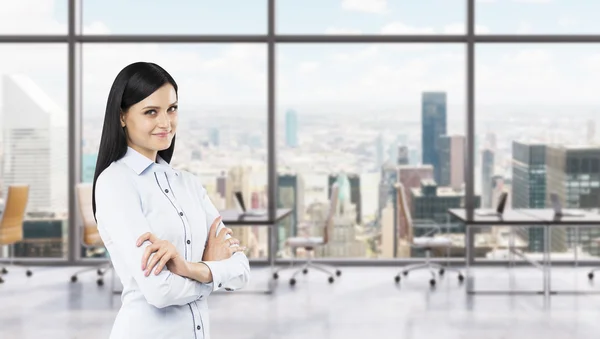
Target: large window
{"type": "Point", "coordinates": [355, 114]}
{"type": "Point", "coordinates": [371, 95]}
{"type": "Point", "coordinates": [537, 108]}
{"type": "Point", "coordinates": [34, 144]}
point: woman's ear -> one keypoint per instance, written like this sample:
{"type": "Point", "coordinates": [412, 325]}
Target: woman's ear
{"type": "Point", "coordinates": [122, 120]}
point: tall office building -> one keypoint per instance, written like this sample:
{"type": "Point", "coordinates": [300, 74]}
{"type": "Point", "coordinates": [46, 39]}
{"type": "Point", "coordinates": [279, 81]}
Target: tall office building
{"type": "Point", "coordinates": [487, 172]}
{"type": "Point", "coordinates": [291, 128]}
{"type": "Point", "coordinates": [389, 176]}
{"type": "Point", "coordinates": [409, 177]}
{"type": "Point", "coordinates": [215, 137]}
{"type": "Point", "coordinates": [403, 156]}
{"type": "Point", "coordinates": [574, 174]}
{"type": "Point", "coordinates": [452, 161]}
{"type": "Point", "coordinates": [35, 144]}
{"type": "Point", "coordinates": [290, 195]}
{"type": "Point", "coordinates": [354, 190]}
{"type": "Point", "coordinates": [433, 120]}
{"type": "Point", "coordinates": [222, 185]}
{"type": "Point", "coordinates": [379, 151]}
{"type": "Point", "coordinates": [387, 232]}
{"type": "Point", "coordinates": [238, 180]}
{"type": "Point", "coordinates": [529, 176]}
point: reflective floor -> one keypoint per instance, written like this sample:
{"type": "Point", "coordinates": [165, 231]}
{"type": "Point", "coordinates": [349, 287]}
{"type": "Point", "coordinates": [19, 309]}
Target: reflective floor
{"type": "Point", "coordinates": [363, 303]}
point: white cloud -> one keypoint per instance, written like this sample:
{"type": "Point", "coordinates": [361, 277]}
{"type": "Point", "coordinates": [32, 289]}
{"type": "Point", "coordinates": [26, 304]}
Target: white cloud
{"type": "Point", "coordinates": [368, 6]}
{"type": "Point", "coordinates": [567, 22]}
{"type": "Point", "coordinates": [460, 28]}
{"type": "Point", "coordinates": [308, 67]}
{"type": "Point", "coordinates": [524, 27]}
{"type": "Point", "coordinates": [342, 31]}
{"type": "Point", "coordinates": [401, 28]}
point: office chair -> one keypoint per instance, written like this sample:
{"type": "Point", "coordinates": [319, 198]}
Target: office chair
{"type": "Point", "coordinates": [11, 222]}
{"type": "Point", "coordinates": [311, 243]}
{"type": "Point", "coordinates": [426, 242]}
{"type": "Point", "coordinates": [90, 237]}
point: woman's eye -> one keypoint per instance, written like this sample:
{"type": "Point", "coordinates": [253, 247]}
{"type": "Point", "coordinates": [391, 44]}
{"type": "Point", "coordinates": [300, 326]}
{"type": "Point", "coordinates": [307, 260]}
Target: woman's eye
{"type": "Point", "coordinates": [150, 111]}
{"type": "Point", "coordinates": [173, 108]}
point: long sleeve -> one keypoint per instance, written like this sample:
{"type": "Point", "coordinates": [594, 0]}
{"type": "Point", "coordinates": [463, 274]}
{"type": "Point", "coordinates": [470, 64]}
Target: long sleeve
{"type": "Point", "coordinates": [232, 273]}
{"type": "Point", "coordinates": [120, 223]}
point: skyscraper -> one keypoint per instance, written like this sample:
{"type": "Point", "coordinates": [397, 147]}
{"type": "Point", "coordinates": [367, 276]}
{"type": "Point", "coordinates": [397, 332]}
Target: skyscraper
{"type": "Point", "coordinates": [433, 120]}
{"type": "Point", "coordinates": [355, 195]}
{"type": "Point", "coordinates": [35, 144]}
{"type": "Point", "coordinates": [290, 195]}
{"type": "Point", "coordinates": [529, 190]}
{"type": "Point", "coordinates": [574, 174]}
{"type": "Point", "coordinates": [379, 151]}
{"type": "Point", "coordinates": [487, 169]}
{"type": "Point", "coordinates": [291, 128]}
{"type": "Point", "coordinates": [452, 161]}
{"type": "Point", "coordinates": [215, 139]}
{"type": "Point", "coordinates": [403, 157]}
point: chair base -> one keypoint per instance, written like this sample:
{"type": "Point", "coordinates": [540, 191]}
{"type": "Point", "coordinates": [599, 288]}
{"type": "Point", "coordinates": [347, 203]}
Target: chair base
{"type": "Point", "coordinates": [432, 267]}
{"type": "Point", "coordinates": [5, 271]}
{"type": "Point", "coordinates": [591, 273]}
{"type": "Point", "coordinates": [331, 271]}
{"type": "Point", "coordinates": [100, 271]}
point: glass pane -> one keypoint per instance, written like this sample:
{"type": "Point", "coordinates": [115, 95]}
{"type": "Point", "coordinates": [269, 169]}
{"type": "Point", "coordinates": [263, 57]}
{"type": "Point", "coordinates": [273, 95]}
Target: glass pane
{"type": "Point", "coordinates": [179, 17]}
{"type": "Point", "coordinates": [537, 16]}
{"type": "Point", "coordinates": [371, 17]}
{"type": "Point", "coordinates": [402, 112]}
{"type": "Point", "coordinates": [33, 17]}
{"type": "Point", "coordinates": [536, 108]}
{"type": "Point", "coordinates": [221, 133]}
{"type": "Point", "coordinates": [34, 146]}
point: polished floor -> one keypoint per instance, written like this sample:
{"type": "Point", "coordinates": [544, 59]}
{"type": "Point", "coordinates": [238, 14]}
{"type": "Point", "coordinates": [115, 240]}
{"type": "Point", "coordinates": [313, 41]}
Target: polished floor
{"type": "Point", "coordinates": [363, 303]}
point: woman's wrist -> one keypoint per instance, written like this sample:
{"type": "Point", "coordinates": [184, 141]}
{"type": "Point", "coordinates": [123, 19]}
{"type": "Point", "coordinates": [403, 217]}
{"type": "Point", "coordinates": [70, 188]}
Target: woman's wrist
{"type": "Point", "coordinates": [199, 272]}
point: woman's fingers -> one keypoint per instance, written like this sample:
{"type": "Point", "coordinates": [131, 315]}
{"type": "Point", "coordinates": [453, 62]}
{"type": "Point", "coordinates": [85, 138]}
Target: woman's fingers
{"type": "Point", "coordinates": [155, 258]}
{"type": "Point", "coordinates": [147, 252]}
{"type": "Point", "coordinates": [161, 264]}
{"type": "Point", "coordinates": [144, 237]}
{"type": "Point", "coordinates": [213, 228]}
{"type": "Point", "coordinates": [224, 232]}
{"type": "Point", "coordinates": [233, 241]}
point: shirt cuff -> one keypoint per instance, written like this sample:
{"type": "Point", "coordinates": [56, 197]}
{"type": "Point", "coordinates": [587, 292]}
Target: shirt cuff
{"type": "Point", "coordinates": [217, 270]}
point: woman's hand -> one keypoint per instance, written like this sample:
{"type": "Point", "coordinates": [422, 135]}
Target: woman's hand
{"type": "Point", "coordinates": [166, 255]}
{"type": "Point", "coordinates": [218, 247]}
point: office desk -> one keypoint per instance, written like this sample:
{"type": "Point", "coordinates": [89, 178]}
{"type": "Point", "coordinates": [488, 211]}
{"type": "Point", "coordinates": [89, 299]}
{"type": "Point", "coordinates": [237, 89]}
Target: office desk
{"type": "Point", "coordinates": [233, 218]}
{"type": "Point", "coordinates": [512, 218]}
{"type": "Point", "coordinates": [552, 220]}
{"type": "Point", "coordinates": [531, 217]}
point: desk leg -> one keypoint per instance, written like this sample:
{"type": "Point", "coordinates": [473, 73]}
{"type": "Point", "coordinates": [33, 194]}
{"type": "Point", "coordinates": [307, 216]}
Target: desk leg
{"type": "Point", "coordinates": [468, 257]}
{"type": "Point", "coordinates": [546, 261]}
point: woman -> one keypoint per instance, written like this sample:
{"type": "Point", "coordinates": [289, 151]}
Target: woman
{"type": "Point", "coordinates": [164, 236]}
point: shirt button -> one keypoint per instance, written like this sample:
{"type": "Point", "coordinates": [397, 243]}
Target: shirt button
{"type": "Point", "coordinates": [181, 214]}
{"type": "Point", "coordinates": [198, 327]}
{"type": "Point", "coordinates": [166, 191]}
{"type": "Point", "coordinates": [189, 242]}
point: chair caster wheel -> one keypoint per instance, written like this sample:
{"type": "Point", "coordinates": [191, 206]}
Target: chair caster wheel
{"type": "Point", "coordinates": [405, 273]}
{"type": "Point", "coordinates": [338, 273]}
{"type": "Point", "coordinates": [1, 280]}
{"type": "Point", "coordinates": [4, 270]}
{"type": "Point", "coordinates": [100, 273]}
{"type": "Point", "coordinates": [29, 273]}
{"type": "Point", "coordinates": [591, 275]}
{"type": "Point", "coordinates": [397, 278]}
{"type": "Point", "coordinates": [100, 282]}
{"type": "Point", "coordinates": [292, 282]}
{"type": "Point", "coordinates": [331, 280]}
{"type": "Point", "coordinates": [304, 271]}
{"type": "Point", "coordinates": [275, 276]}
{"type": "Point", "coordinates": [461, 278]}
{"type": "Point", "coordinates": [442, 271]}
{"type": "Point", "coordinates": [432, 282]}
{"type": "Point", "coordinates": [74, 279]}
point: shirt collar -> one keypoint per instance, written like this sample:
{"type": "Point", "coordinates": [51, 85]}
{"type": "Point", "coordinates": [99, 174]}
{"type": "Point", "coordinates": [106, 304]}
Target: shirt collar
{"type": "Point", "coordinates": [138, 162]}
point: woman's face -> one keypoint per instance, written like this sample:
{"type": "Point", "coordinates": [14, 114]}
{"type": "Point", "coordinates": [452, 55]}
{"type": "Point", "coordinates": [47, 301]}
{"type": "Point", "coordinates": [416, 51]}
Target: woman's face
{"type": "Point", "coordinates": [151, 123]}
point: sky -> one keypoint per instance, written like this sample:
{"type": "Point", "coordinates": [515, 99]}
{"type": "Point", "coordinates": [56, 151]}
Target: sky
{"type": "Point", "coordinates": [318, 74]}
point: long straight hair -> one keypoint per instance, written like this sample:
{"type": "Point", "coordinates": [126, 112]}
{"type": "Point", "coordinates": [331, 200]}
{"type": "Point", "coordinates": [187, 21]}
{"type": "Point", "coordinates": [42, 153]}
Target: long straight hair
{"type": "Point", "coordinates": [133, 84]}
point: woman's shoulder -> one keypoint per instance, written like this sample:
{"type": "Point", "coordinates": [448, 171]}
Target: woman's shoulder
{"type": "Point", "coordinates": [114, 175]}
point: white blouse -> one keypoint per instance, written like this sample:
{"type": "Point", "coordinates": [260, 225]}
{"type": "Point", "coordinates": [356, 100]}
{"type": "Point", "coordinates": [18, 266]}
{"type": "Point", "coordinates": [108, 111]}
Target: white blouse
{"type": "Point", "coordinates": [135, 195]}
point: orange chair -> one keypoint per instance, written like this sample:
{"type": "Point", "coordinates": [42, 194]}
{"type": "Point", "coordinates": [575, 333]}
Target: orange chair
{"type": "Point", "coordinates": [90, 236]}
{"type": "Point", "coordinates": [11, 221]}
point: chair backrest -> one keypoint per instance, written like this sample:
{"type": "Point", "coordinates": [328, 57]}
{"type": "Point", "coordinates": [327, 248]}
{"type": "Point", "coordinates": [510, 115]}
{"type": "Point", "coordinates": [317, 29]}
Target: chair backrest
{"type": "Point", "coordinates": [84, 200]}
{"type": "Point", "coordinates": [11, 223]}
{"type": "Point", "coordinates": [329, 224]}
